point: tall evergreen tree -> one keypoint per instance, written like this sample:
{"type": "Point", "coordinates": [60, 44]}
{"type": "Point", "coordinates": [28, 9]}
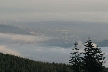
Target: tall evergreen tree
{"type": "Point", "coordinates": [76, 59]}
{"type": "Point", "coordinates": [93, 58]}
{"type": "Point", "coordinates": [91, 61]}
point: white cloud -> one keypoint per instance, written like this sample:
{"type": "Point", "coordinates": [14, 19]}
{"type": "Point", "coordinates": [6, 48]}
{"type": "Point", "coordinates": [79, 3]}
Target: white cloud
{"type": "Point", "coordinates": [22, 38]}
{"type": "Point", "coordinates": [6, 50]}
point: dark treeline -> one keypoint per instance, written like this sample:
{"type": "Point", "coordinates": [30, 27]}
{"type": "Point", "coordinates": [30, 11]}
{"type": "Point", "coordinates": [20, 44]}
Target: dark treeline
{"type": "Point", "coordinates": [11, 63]}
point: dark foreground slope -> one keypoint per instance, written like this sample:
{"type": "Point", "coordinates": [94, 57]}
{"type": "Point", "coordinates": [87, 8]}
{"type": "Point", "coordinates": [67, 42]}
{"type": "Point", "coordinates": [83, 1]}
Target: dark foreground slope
{"type": "Point", "coordinates": [11, 63]}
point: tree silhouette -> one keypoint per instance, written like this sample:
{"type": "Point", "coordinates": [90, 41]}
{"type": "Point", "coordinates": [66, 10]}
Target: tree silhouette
{"type": "Point", "coordinates": [76, 59]}
{"type": "Point", "coordinates": [91, 61]}
{"type": "Point", "coordinates": [93, 58]}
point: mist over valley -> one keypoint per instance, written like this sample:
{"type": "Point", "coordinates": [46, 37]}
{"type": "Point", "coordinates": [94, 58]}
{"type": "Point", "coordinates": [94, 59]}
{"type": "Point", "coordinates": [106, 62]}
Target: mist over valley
{"type": "Point", "coordinates": [50, 41]}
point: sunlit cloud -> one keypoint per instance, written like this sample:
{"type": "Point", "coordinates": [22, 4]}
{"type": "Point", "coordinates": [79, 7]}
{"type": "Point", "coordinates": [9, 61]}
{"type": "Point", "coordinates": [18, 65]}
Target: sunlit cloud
{"type": "Point", "coordinates": [6, 50]}
{"type": "Point", "coordinates": [17, 38]}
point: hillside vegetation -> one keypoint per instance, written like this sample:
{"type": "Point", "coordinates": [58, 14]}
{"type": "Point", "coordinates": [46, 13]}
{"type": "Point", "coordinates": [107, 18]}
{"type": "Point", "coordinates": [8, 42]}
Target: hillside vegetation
{"type": "Point", "coordinates": [11, 63]}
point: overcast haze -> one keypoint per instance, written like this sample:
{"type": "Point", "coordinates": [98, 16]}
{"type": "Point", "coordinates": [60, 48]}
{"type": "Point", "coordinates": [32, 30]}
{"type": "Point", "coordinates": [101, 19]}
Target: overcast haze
{"type": "Point", "coordinates": [54, 10]}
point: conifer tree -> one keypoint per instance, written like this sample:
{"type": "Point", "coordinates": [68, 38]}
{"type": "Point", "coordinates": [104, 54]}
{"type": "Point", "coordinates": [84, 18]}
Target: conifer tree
{"type": "Point", "coordinates": [93, 58]}
{"type": "Point", "coordinates": [91, 61]}
{"type": "Point", "coordinates": [76, 60]}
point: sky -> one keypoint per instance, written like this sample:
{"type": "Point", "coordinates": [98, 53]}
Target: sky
{"type": "Point", "coordinates": [54, 10]}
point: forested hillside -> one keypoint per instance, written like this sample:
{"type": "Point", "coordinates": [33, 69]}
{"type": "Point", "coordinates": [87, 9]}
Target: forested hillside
{"type": "Point", "coordinates": [11, 63]}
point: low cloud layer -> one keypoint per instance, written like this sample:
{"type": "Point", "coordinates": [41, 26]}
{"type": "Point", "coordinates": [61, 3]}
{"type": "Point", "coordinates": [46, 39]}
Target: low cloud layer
{"type": "Point", "coordinates": [28, 47]}
{"type": "Point", "coordinates": [21, 39]}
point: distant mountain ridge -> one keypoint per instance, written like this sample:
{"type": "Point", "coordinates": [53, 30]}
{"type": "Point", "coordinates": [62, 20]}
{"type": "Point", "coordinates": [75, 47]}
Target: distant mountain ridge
{"type": "Point", "coordinates": [103, 43]}
{"type": "Point", "coordinates": [12, 29]}
{"type": "Point", "coordinates": [64, 33]}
